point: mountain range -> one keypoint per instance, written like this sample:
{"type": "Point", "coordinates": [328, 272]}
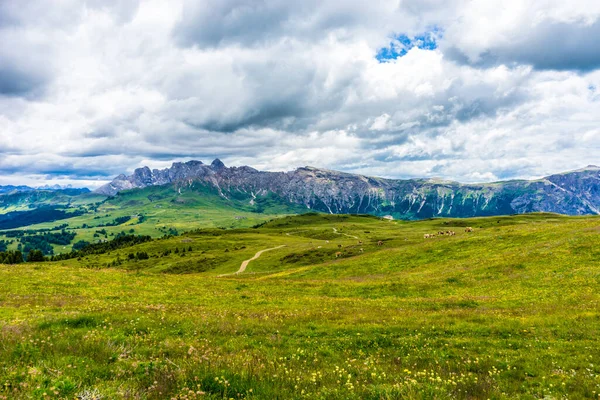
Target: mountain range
{"type": "Point", "coordinates": [11, 189]}
{"type": "Point", "coordinates": [25, 197]}
{"type": "Point", "coordinates": [573, 193]}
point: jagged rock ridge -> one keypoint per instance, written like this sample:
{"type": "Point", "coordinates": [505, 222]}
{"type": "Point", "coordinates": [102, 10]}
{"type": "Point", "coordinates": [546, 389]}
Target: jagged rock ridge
{"type": "Point", "coordinates": [574, 193]}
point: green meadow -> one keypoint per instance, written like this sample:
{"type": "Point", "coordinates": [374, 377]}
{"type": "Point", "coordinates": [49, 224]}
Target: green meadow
{"type": "Point", "coordinates": [351, 307]}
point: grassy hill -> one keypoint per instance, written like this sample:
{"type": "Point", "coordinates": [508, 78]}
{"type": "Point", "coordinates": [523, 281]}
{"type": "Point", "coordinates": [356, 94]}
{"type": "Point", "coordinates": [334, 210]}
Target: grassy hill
{"type": "Point", "coordinates": [510, 310]}
{"type": "Point", "coordinates": [154, 211]}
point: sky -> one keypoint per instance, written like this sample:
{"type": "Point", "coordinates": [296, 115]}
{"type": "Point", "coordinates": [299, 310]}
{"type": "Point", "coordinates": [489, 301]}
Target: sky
{"type": "Point", "coordinates": [467, 90]}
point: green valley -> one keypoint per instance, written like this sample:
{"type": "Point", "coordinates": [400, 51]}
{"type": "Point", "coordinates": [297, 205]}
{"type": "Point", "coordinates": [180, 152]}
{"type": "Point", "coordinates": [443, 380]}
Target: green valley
{"type": "Point", "coordinates": [155, 211]}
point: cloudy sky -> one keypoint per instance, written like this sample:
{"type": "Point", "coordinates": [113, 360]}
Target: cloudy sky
{"type": "Point", "coordinates": [470, 90]}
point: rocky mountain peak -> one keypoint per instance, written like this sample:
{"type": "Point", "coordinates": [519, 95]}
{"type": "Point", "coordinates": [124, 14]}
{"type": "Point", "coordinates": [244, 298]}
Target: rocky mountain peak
{"type": "Point", "coordinates": [142, 176]}
{"type": "Point", "coordinates": [217, 164]}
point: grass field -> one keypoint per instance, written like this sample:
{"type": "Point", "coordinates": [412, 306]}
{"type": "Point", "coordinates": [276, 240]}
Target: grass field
{"type": "Point", "coordinates": [508, 311]}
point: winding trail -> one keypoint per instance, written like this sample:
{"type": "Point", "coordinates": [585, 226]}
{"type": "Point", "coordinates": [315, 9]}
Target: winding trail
{"type": "Point", "coordinates": [245, 263]}
{"type": "Point", "coordinates": [291, 233]}
{"type": "Point", "coordinates": [345, 234]}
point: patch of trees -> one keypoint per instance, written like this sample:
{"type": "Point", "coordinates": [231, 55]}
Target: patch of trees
{"type": "Point", "coordinates": [11, 257]}
{"type": "Point", "coordinates": [44, 247]}
{"type": "Point", "coordinates": [168, 231]}
{"type": "Point", "coordinates": [16, 257]}
{"type": "Point", "coordinates": [3, 245]}
{"type": "Point", "coordinates": [140, 255]}
{"type": "Point", "coordinates": [62, 238]}
{"type": "Point", "coordinates": [261, 224]}
{"type": "Point", "coordinates": [101, 232]}
{"type": "Point", "coordinates": [117, 221]}
{"type": "Point", "coordinates": [208, 231]}
{"type": "Point", "coordinates": [13, 234]}
{"type": "Point", "coordinates": [17, 219]}
{"type": "Point", "coordinates": [44, 241]}
{"type": "Point", "coordinates": [168, 252]}
{"type": "Point", "coordinates": [80, 245]}
{"type": "Point", "coordinates": [23, 232]}
{"type": "Point", "coordinates": [35, 256]}
{"type": "Point", "coordinates": [120, 241]}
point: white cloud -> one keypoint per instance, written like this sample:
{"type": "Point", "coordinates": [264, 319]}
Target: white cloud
{"type": "Point", "coordinates": [91, 89]}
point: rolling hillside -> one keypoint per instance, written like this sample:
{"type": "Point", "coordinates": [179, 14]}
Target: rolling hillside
{"type": "Point", "coordinates": [507, 311]}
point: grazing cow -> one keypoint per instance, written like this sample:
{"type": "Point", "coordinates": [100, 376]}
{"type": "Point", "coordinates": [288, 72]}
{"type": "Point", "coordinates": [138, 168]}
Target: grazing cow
{"type": "Point", "coordinates": [469, 229]}
{"type": "Point", "coordinates": [441, 233]}
{"type": "Point", "coordinates": [451, 233]}
{"type": "Point", "coordinates": [362, 250]}
{"type": "Point", "coordinates": [327, 241]}
{"type": "Point", "coordinates": [380, 243]}
{"type": "Point", "coordinates": [426, 236]}
{"type": "Point", "coordinates": [360, 242]}
{"type": "Point", "coordinates": [338, 254]}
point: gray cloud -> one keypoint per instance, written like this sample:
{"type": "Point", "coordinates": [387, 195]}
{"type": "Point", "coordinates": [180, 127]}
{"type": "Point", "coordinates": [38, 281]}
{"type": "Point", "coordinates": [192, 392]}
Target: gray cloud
{"type": "Point", "coordinates": [25, 63]}
{"type": "Point", "coordinates": [548, 45]}
{"type": "Point", "coordinates": [15, 81]}
{"type": "Point", "coordinates": [242, 21]}
{"type": "Point", "coordinates": [214, 23]}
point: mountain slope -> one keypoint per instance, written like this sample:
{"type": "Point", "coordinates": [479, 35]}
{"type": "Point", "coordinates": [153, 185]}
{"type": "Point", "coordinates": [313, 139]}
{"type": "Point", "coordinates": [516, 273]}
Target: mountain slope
{"type": "Point", "coordinates": [573, 193]}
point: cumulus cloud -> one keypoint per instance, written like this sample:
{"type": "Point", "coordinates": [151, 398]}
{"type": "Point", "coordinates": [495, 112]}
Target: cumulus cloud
{"type": "Point", "coordinates": [547, 34]}
{"type": "Point", "coordinates": [465, 90]}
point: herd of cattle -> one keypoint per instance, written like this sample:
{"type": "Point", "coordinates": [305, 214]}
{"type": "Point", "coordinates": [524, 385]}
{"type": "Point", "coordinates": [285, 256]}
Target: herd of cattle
{"type": "Point", "coordinates": [447, 233]}
{"type": "Point", "coordinates": [425, 236]}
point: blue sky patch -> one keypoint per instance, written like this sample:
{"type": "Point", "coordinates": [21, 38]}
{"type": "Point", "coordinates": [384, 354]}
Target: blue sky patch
{"type": "Point", "coordinates": [401, 44]}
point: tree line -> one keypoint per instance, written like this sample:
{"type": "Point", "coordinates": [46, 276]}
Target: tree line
{"type": "Point", "coordinates": [45, 241]}
{"type": "Point", "coordinates": [16, 257]}
{"type": "Point", "coordinates": [80, 249]}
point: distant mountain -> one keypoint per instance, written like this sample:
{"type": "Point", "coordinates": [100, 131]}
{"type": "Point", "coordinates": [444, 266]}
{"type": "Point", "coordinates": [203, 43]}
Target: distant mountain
{"type": "Point", "coordinates": [573, 193]}
{"type": "Point", "coordinates": [55, 187]}
{"type": "Point", "coordinates": [14, 189]}
{"type": "Point", "coordinates": [26, 197]}
{"type": "Point", "coordinates": [22, 188]}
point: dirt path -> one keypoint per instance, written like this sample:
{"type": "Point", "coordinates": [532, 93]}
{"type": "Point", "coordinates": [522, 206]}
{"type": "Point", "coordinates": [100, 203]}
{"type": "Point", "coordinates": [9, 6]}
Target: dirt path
{"type": "Point", "coordinates": [245, 263]}
{"type": "Point", "coordinates": [345, 234]}
{"type": "Point", "coordinates": [292, 233]}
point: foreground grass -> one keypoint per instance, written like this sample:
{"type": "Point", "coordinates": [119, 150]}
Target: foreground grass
{"type": "Point", "coordinates": [510, 311]}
